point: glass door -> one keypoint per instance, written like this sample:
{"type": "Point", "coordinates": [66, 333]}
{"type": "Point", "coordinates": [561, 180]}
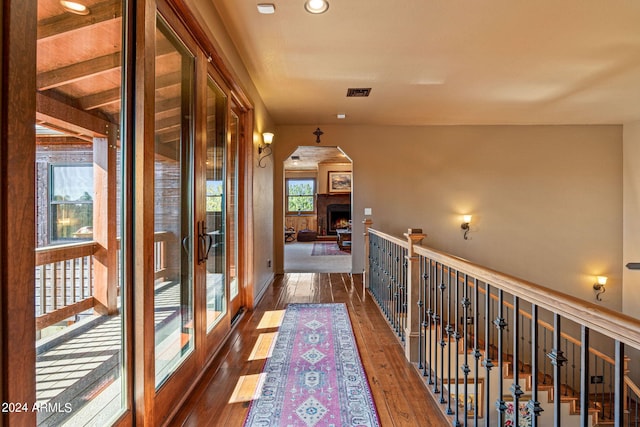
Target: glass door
{"type": "Point", "coordinates": [79, 305]}
{"type": "Point", "coordinates": [212, 239]}
{"type": "Point", "coordinates": [235, 295]}
{"type": "Point", "coordinates": [173, 205]}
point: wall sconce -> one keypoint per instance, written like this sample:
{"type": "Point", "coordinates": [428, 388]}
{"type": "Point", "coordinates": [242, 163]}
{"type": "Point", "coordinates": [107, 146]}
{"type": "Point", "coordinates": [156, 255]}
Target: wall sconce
{"type": "Point", "coordinates": [265, 148]}
{"type": "Point", "coordinates": [601, 281]}
{"type": "Point", "coordinates": [466, 220]}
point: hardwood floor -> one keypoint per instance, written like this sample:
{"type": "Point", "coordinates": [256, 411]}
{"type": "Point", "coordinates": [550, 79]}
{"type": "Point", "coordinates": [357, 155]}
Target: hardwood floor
{"type": "Point", "coordinates": [398, 391]}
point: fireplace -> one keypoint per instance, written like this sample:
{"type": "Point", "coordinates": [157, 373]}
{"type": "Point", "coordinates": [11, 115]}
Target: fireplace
{"type": "Point", "coordinates": [338, 216]}
{"type": "Point", "coordinates": [334, 212]}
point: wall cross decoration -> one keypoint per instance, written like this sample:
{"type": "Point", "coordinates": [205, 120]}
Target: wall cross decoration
{"type": "Point", "coordinates": [317, 133]}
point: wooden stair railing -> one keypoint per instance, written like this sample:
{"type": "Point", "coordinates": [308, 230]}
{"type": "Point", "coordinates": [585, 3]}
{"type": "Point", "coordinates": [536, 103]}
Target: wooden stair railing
{"type": "Point", "coordinates": [437, 303]}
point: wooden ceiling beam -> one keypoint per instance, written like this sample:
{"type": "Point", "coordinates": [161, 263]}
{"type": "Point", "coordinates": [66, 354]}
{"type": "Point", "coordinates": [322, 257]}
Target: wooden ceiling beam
{"type": "Point", "coordinates": [78, 71]}
{"type": "Point", "coordinates": [60, 24]}
{"type": "Point", "coordinates": [68, 117]}
{"type": "Point", "coordinates": [97, 100]}
{"type": "Point", "coordinates": [90, 68]}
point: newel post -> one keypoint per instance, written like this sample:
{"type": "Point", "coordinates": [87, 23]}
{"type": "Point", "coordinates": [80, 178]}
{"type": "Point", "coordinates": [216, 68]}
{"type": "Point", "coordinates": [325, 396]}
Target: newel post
{"type": "Point", "coordinates": [414, 236]}
{"type": "Point", "coordinates": [365, 279]}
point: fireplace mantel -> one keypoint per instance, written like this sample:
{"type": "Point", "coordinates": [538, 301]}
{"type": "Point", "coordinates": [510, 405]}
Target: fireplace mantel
{"type": "Point", "coordinates": [323, 201]}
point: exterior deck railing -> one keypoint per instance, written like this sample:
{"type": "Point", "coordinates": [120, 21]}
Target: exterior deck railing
{"type": "Point", "coordinates": [64, 284]}
{"type": "Point", "coordinates": [497, 350]}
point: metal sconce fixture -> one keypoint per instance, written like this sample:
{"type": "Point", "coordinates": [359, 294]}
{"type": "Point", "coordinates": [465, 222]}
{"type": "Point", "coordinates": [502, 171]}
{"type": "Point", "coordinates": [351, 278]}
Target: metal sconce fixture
{"type": "Point", "coordinates": [466, 220]}
{"type": "Point", "coordinates": [265, 148]}
{"type": "Point", "coordinates": [601, 281]}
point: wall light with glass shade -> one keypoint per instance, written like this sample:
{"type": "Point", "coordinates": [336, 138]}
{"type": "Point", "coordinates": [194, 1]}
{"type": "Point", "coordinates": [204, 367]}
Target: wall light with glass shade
{"type": "Point", "coordinates": [599, 286]}
{"type": "Point", "coordinates": [264, 149]}
{"type": "Point", "coordinates": [466, 221]}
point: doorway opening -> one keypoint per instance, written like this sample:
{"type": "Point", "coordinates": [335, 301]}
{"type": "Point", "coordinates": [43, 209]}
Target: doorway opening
{"type": "Point", "coordinates": [318, 185]}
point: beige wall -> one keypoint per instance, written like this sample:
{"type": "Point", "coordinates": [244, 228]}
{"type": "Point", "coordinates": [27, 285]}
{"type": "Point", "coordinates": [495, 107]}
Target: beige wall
{"type": "Point", "coordinates": [546, 200]}
{"type": "Point", "coordinates": [262, 200]}
{"type": "Point", "coordinates": [631, 251]}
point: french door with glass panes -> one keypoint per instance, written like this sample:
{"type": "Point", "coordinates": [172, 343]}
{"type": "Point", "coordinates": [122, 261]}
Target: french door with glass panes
{"type": "Point", "coordinates": [217, 214]}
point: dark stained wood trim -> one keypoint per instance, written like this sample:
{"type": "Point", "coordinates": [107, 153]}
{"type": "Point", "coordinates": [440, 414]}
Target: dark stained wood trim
{"type": "Point", "coordinates": [143, 222]}
{"type": "Point", "coordinates": [3, 186]}
{"type": "Point", "coordinates": [66, 22]}
{"type": "Point", "coordinates": [17, 204]}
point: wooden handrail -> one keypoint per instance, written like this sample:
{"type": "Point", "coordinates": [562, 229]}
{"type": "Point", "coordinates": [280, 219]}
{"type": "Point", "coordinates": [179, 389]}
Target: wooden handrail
{"type": "Point", "coordinates": [549, 327]}
{"type": "Point", "coordinates": [611, 323]}
{"type": "Point", "coordinates": [400, 242]}
{"type": "Point", "coordinates": [53, 254]}
{"type": "Point", "coordinates": [629, 382]}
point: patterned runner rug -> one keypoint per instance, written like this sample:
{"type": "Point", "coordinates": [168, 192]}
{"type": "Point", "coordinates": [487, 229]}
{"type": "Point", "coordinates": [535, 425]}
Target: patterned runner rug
{"type": "Point", "coordinates": [327, 248]}
{"type": "Point", "coordinates": [315, 376]}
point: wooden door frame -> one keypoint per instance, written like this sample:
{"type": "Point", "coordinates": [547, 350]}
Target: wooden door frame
{"type": "Point", "coordinates": [17, 207]}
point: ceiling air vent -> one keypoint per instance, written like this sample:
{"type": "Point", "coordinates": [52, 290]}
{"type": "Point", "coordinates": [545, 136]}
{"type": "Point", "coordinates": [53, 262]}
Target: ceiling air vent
{"type": "Point", "coordinates": [295, 157]}
{"type": "Point", "coordinates": [354, 92]}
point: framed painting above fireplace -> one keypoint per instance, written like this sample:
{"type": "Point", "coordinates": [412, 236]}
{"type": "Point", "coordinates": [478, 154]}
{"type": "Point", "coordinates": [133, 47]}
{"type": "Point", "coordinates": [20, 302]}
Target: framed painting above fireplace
{"type": "Point", "coordinates": [339, 182]}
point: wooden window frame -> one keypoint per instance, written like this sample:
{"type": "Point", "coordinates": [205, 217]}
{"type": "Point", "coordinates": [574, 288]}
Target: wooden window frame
{"type": "Point", "coordinates": [312, 195]}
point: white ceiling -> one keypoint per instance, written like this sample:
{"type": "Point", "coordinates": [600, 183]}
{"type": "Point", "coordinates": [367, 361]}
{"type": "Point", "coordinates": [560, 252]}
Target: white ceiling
{"type": "Point", "coordinates": [444, 61]}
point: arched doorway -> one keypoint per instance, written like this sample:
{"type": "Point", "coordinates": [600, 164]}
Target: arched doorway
{"type": "Point", "coordinates": [317, 210]}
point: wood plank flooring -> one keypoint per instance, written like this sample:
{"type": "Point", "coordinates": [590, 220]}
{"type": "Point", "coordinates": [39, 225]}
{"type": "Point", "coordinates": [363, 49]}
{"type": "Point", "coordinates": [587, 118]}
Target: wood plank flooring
{"type": "Point", "coordinates": [398, 390]}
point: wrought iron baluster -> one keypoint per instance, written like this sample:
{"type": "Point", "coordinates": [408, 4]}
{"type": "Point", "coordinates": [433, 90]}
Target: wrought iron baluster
{"type": "Point", "coordinates": [430, 313]}
{"type": "Point", "coordinates": [436, 324]}
{"type": "Point", "coordinates": [449, 330]}
{"type": "Point", "coordinates": [456, 336]}
{"type": "Point", "coordinates": [619, 385]}
{"type": "Point", "coordinates": [476, 349]}
{"type": "Point", "coordinates": [585, 418]}
{"type": "Point", "coordinates": [500, 325]}
{"type": "Point", "coordinates": [442, 329]}
{"type": "Point", "coordinates": [534, 404]}
{"type": "Point", "coordinates": [557, 360]}
{"type": "Point", "coordinates": [421, 296]}
{"type": "Point", "coordinates": [405, 293]}
{"type": "Point", "coordinates": [487, 363]}
{"type": "Point", "coordinates": [516, 390]}
{"type": "Point", "coordinates": [466, 302]}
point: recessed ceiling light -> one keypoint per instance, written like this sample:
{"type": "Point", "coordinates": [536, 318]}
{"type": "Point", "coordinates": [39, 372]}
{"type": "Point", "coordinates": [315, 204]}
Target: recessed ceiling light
{"type": "Point", "coordinates": [267, 8]}
{"type": "Point", "coordinates": [341, 116]}
{"type": "Point", "coordinates": [74, 7]}
{"type": "Point", "coordinates": [316, 6]}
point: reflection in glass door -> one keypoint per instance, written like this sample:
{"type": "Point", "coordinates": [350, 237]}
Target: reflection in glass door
{"type": "Point", "coordinates": [80, 365]}
{"type": "Point", "coordinates": [235, 299]}
{"type": "Point", "coordinates": [173, 293]}
{"type": "Point", "coordinates": [212, 237]}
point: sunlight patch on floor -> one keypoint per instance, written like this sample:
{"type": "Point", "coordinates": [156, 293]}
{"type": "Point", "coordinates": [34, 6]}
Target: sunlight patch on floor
{"type": "Point", "coordinates": [271, 319]}
{"type": "Point", "coordinates": [263, 348]}
{"type": "Point", "coordinates": [248, 388]}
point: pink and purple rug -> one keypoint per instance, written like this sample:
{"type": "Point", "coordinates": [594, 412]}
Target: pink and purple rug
{"type": "Point", "coordinates": [315, 376]}
{"type": "Point", "coordinates": [327, 248]}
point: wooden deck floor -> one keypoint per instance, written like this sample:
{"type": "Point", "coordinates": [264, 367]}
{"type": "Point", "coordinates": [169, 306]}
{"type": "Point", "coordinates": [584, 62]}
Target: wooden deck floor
{"type": "Point", "coordinates": [398, 391]}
